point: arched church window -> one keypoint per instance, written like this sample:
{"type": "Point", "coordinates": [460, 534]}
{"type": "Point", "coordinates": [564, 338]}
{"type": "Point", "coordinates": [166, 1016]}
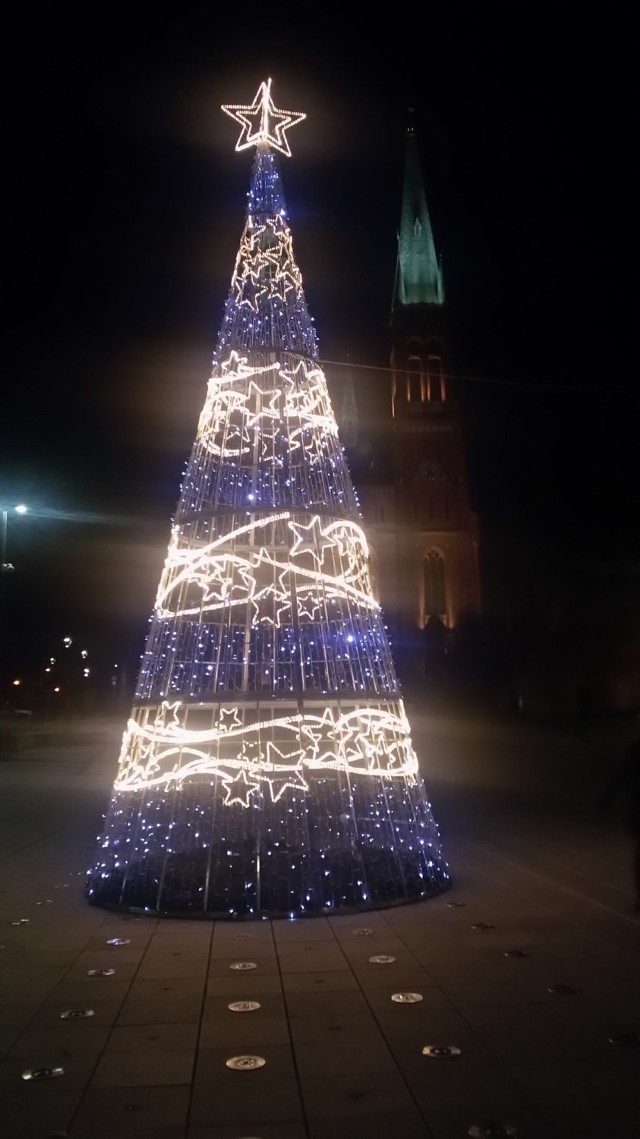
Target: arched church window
{"type": "Point", "coordinates": [435, 600]}
{"type": "Point", "coordinates": [414, 376]}
{"type": "Point", "coordinates": [436, 378]}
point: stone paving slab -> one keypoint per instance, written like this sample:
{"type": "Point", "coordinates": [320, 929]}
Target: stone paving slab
{"type": "Point", "coordinates": [342, 1059]}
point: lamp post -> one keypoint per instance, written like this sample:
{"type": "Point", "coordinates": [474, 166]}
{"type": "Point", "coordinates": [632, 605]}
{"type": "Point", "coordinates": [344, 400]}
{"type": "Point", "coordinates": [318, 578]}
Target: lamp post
{"type": "Point", "coordinates": [5, 566]}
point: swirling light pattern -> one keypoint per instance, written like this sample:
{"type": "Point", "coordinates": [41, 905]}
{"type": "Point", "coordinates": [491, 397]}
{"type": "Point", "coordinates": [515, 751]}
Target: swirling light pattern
{"type": "Point", "coordinates": [267, 767]}
{"type": "Point", "coordinates": [164, 749]}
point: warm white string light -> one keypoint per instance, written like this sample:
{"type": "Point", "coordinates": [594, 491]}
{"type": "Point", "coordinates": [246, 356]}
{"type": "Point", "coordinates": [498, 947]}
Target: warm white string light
{"type": "Point", "coordinates": [267, 767]}
{"type": "Point", "coordinates": [225, 580]}
{"type": "Point", "coordinates": [262, 122]}
{"type": "Point", "coordinates": [365, 740]}
{"type": "Point", "coordinates": [237, 406]}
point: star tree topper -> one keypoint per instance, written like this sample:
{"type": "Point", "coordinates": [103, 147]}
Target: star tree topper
{"type": "Point", "coordinates": [262, 122]}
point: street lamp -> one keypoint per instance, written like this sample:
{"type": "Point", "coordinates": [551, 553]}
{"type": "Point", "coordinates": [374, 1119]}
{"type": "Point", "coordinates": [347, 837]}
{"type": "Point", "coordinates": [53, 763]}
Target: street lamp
{"type": "Point", "coordinates": [5, 566]}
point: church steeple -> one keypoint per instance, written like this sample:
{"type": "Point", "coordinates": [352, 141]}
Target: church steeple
{"type": "Point", "coordinates": [418, 274]}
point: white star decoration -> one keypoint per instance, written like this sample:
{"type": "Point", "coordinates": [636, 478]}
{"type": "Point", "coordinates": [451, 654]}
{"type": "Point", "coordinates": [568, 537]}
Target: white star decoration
{"type": "Point", "coordinates": [263, 123]}
{"type": "Point", "coordinates": [275, 570]}
{"type": "Point", "coordinates": [239, 789]}
{"type": "Point", "coordinates": [360, 741]}
{"type": "Point", "coordinates": [229, 719]}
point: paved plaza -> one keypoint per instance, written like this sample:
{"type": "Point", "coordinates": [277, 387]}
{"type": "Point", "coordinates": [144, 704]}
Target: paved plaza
{"type": "Point", "coordinates": [536, 869]}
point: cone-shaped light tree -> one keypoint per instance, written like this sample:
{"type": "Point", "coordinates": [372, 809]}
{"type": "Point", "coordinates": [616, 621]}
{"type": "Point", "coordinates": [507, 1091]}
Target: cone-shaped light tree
{"type": "Point", "coordinates": [267, 768]}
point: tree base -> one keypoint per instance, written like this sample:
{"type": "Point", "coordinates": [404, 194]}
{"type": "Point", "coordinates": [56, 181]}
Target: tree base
{"type": "Point", "coordinates": [301, 857]}
{"type": "Point", "coordinates": [238, 895]}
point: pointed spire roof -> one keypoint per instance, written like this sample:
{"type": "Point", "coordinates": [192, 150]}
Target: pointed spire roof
{"type": "Point", "coordinates": [418, 275]}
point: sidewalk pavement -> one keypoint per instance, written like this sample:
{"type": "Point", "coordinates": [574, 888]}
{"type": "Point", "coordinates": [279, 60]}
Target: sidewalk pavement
{"type": "Point", "coordinates": [343, 1060]}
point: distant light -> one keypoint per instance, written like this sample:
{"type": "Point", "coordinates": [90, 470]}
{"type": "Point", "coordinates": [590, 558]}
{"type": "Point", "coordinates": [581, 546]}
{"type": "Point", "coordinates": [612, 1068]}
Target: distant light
{"type": "Point", "coordinates": [83, 653]}
{"type": "Point", "coordinates": [17, 683]}
{"type": "Point", "coordinates": [66, 642]}
{"type": "Point", "coordinates": [56, 690]}
{"type": "Point", "coordinates": [86, 671]}
{"type": "Point", "coordinates": [47, 669]}
{"type": "Point", "coordinates": [21, 508]}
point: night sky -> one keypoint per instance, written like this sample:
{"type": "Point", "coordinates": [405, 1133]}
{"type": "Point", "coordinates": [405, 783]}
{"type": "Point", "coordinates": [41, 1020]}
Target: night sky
{"type": "Point", "coordinates": [124, 209]}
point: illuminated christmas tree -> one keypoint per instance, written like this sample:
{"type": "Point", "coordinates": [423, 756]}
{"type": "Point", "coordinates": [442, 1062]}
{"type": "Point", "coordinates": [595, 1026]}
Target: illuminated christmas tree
{"type": "Point", "coordinates": [267, 768]}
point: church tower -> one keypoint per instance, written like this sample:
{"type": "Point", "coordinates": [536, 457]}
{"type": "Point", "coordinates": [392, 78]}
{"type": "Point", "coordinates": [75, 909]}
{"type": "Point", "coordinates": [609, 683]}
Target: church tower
{"type": "Point", "coordinates": [422, 528]}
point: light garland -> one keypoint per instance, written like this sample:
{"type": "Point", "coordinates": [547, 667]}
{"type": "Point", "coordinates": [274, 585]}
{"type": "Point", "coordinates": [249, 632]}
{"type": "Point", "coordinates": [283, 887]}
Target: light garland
{"type": "Point", "coordinates": [227, 580]}
{"type": "Point", "coordinates": [286, 409]}
{"type": "Point", "coordinates": [267, 766]}
{"type": "Point", "coordinates": [266, 306]}
{"type": "Point", "coordinates": [261, 121]}
{"type": "Point", "coordinates": [365, 740]}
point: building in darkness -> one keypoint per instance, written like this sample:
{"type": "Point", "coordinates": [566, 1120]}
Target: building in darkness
{"type": "Point", "coordinates": [410, 469]}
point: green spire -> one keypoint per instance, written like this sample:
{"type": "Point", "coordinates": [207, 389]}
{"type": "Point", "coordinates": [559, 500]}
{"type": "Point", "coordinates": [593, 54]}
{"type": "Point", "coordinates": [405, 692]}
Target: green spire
{"type": "Point", "coordinates": [418, 274]}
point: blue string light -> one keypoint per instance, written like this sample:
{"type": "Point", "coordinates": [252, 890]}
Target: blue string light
{"type": "Point", "coordinates": [267, 769]}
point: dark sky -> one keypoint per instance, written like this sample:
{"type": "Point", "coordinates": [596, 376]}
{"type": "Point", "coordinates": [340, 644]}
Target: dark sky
{"type": "Point", "coordinates": [124, 208]}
